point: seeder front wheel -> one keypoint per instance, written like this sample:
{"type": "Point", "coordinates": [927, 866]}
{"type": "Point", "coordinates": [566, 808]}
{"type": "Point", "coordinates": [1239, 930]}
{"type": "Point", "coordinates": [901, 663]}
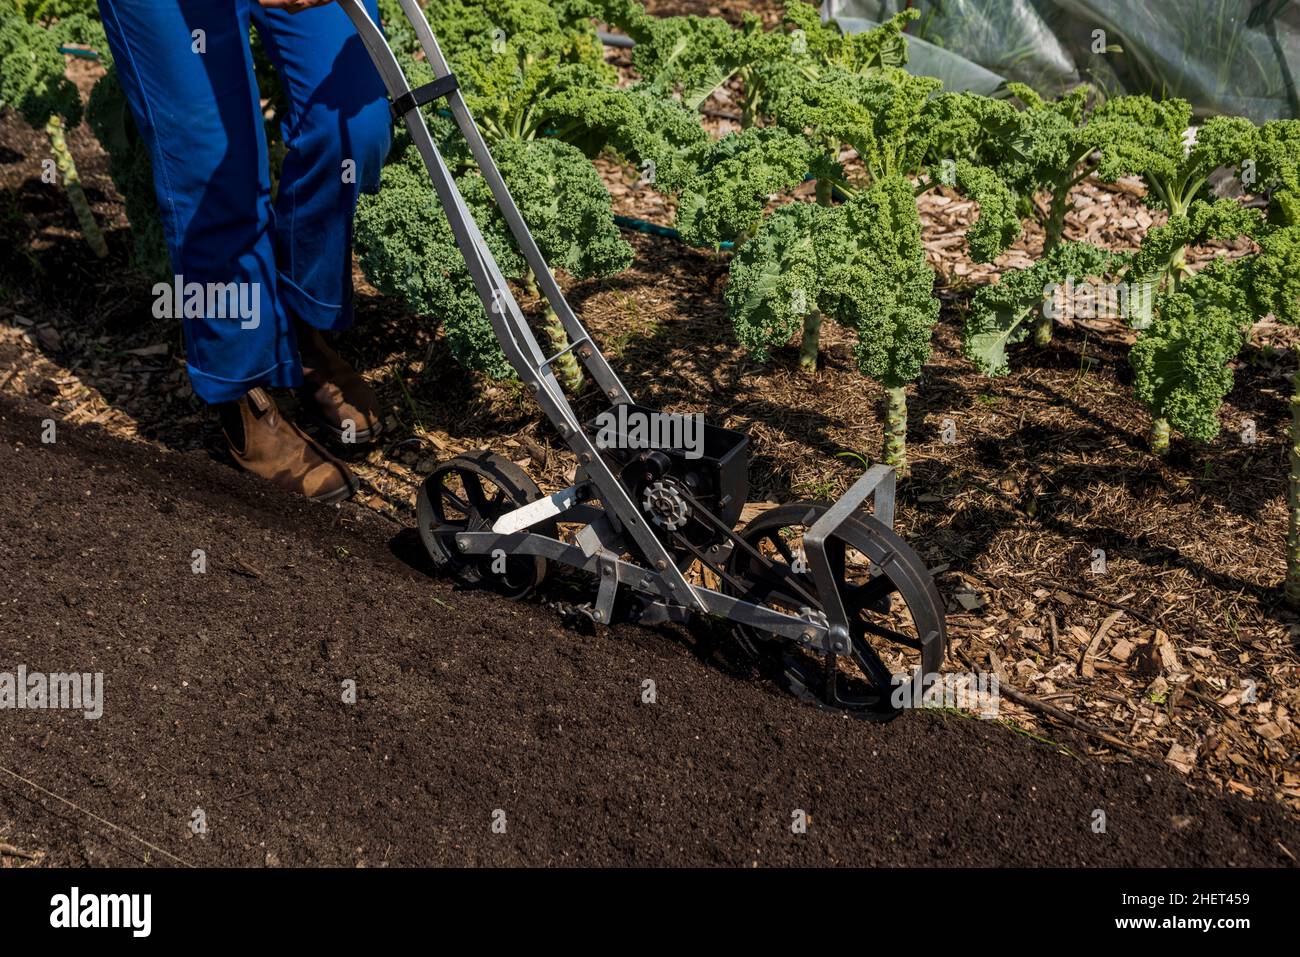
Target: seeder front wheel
{"type": "Point", "coordinates": [468, 494]}
{"type": "Point", "coordinates": [890, 599]}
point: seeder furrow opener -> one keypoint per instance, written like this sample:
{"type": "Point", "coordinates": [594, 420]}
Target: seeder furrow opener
{"type": "Point", "coordinates": [815, 592]}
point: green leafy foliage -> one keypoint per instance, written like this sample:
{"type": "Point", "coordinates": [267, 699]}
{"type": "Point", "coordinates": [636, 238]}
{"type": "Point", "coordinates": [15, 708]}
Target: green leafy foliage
{"type": "Point", "coordinates": [33, 84]}
{"type": "Point", "coordinates": [1277, 169]}
{"type": "Point", "coordinates": [32, 78]}
{"type": "Point", "coordinates": [1160, 262]}
{"type": "Point", "coordinates": [534, 78]}
{"type": "Point", "coordinates": [1222, 219]}
{"type": "Point", "coordinates": [825, 44]}
{"type": "Point", "coordinates": [1153, 139]}
{"type": "Point", "coordinates": [658, 136]}
{"type": "Point", "coordinates": [1276, 276]}
{"type": "Point", "coordinates": [80, 27]}
{"type": "Point", "coordinates": [900, 124]}
{"type": "Point", "coordinates": [1000, 314]}
{"type": "Point", "coordinates": [406, 248]}
{"type": "Point", "coordinates": [566, 206]}
{"type": "Point", "coordinates": [776, 275]}
{"type": "Point", "coordinates": [1044, 146]}
{"type": "Point", "coordinates": [738, 176]}
{"type": "Point", "coordinates": [46, 12]}
{"type": "Point", "coordinates": [691, 57]}
{"type": "Point", "coordinates": [397, 29]}
{"type": "Point", "coordinates": [510, 58]}
{"type": "Point", "coordinates": [885, 115]}
{"type": "Point", "coordinates": [1041, 145]}
{"type": "Point", "coordinates": [861, 263]}
{"type": "Point", "coordinates": [1182, 362]}
{"type": "Point", "coordinates": [881, 285]}
{"type": "Point", "coordinates": [998, 224]}
{"type": "Point", "coordinates": [535, 28]}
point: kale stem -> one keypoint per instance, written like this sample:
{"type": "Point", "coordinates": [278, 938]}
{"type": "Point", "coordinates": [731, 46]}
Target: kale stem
{"type": "Point", "coordinates": [895, 449]}
{"type": "Point", "coordinates": [1160, 436]}
{"type": "Point", "coordinates": [566, 367]}
{"type": "Point", "coordinates": [812, 325]}
{"type": "Point", "coordinates": [67, 168]}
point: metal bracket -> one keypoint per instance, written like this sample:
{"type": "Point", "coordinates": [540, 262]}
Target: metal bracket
{"type": "Point", "coordinates": [879, 481]}
{"type": "Point", "coordinates": [421, 95]}
{"type": "Point", "coordinates": [604, 612]}
{"type": "Point", "coordinates": [527, 515]}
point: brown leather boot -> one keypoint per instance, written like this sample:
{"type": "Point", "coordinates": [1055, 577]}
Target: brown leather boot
{"type": "Point", "coordinates": [266, 444]}
{"type": "Point", "coordinates": [334, 393]}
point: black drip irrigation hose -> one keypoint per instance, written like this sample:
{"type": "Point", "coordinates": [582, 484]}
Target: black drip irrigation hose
{"type": "Point", "coordinates": [660, 232]}
{"type": "Point", "coordinates": [615, 40]}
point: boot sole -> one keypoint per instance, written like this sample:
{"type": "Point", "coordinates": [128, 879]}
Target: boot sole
{"type": "Point", "coordinates": [339, 494]}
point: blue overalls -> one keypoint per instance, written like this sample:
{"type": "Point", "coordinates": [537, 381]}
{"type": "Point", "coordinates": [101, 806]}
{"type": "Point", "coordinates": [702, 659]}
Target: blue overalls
{"type": "Point", "coordinates": [187, 72]}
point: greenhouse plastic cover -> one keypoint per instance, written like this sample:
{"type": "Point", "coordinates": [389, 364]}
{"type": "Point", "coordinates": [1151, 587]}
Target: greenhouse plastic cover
{"type": "Point", "coordinates": [1225, 56]}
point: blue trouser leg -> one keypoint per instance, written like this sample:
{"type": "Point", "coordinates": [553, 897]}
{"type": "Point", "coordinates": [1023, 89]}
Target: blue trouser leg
{"type": "Point", "coordinates": [337, 130]}
{"type": "Point", "coordinates": [195, 101]}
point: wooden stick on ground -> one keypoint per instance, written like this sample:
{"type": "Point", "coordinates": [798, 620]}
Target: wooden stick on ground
{"type": "Point", "coordinates": [1037, 704]}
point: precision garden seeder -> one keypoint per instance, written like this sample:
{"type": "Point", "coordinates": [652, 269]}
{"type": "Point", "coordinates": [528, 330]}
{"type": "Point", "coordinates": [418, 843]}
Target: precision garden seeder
{"type": "Point", "coordinates": [810, 588]}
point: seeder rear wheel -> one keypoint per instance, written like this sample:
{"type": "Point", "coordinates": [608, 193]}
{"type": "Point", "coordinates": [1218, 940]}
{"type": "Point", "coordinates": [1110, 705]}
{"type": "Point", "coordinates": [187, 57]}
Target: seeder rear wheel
{"type": "Point", "coordinates": [468, 494]}
{"type": "Point", "coordinates": [887, 592]}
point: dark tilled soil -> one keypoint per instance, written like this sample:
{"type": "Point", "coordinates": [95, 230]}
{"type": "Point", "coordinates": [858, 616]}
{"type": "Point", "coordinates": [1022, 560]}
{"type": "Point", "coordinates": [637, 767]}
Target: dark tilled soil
{"type": "Point", "coordinates": [223, 693]}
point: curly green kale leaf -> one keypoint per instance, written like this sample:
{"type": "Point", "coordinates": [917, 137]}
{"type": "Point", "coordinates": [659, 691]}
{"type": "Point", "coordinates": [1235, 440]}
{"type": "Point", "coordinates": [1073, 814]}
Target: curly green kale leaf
{"type": "Point", "coordinates": [32, 78]}
{"type": "Point", "coordinates": [879, 283]}
{"type": "Point", "coordinates": [691, 57]}
{"type": "Point", "coordinates": [1182, 362]}
{"type": "Point", "coordinates": [1154, 139]}
{"type": "Point", "coordinates": [776, 276]}
{"type": "Point", "coordinates": [1276, 277]}
{"type": "Point", "coordinates": [566, 206]}
{"type": "Point", "coordinates": [824, 43]}
{"type": "Point", "coordinates": [1162, 253]}
{"type": "Point", "coordinates": [1278, 169]}
{"type": "Point", "coordinates": [406, 248]}
{"type": "Point", "coordinates": [738, 175]}
{"type": "Point", "coordinates": [998, 225]}
{"type": "Point", "coordinates": [861, 263]}
{"type": "Point", "coordinates": [1000, 314]}
{"type": "Point", "coordinates": [885, 115]}
{"type": "Point", "coordinates": [482, 27]}
{"type": "Point", "coordinates": [659, 136]}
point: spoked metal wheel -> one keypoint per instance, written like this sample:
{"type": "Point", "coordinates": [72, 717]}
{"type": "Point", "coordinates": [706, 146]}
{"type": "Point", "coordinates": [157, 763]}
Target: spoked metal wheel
{"type": "Point", "coordinates": [893, 607]}
{"type": "Point", "coordinates": [468, 494]}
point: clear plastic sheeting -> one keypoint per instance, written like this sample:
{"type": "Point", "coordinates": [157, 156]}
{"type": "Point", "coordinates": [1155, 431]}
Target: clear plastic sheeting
{"type": "Point", "coordinates": [1225, 56]}
{"type": "Point", "coordinates": [1006, 39]}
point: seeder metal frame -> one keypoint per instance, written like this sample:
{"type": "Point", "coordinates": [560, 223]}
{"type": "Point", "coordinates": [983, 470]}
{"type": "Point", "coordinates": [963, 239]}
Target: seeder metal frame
{"type": "Point", "coordinates": [617, 543]}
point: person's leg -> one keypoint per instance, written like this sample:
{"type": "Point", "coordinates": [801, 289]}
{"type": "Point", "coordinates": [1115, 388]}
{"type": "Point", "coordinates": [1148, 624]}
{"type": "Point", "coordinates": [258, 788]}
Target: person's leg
{"type": "Point", "coordinates": [186, 69]}
{"type": "Point", "coordinates": [337, 132]}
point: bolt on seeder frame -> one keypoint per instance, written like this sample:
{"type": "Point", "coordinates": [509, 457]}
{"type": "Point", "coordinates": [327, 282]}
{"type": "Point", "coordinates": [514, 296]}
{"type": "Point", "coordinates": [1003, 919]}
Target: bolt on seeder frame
{"type": "Point", "coordinates": [815, 619]}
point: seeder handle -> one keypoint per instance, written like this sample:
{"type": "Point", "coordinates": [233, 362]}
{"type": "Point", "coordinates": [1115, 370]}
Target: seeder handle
{"type": "Point", "coordinates": [595, 363]}
{"type": "Point", "coordinates": [508, 321]}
